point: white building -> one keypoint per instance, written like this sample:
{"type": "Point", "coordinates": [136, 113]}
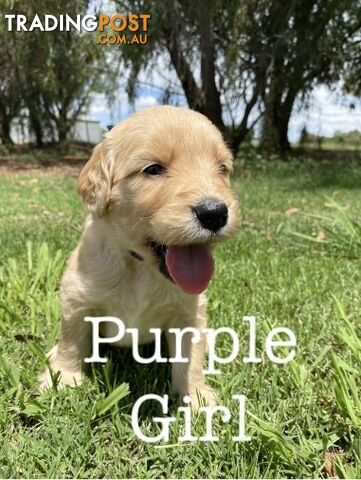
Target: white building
{"type": "Point", "coordinates": [85, 129]}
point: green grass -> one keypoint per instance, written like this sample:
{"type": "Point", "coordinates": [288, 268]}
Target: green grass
{"type": "Point", "coordinates": [295, 262]}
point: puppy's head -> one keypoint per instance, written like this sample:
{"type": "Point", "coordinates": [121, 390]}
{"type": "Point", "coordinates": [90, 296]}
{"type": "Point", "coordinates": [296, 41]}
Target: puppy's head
{"type": "Point", "coordinates": [160, 181]}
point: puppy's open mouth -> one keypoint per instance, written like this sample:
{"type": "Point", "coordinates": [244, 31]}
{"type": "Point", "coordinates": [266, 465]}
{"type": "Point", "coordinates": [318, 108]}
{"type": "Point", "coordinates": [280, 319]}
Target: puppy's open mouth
{"type": "Point", "coordinates": [191, 267]}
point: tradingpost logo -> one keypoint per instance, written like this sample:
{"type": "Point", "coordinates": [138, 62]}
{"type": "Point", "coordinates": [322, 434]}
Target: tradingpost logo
{"type": "Point", "coordinates": [131, 30]}
{"type": "Point", "coordinates": [117, 29]}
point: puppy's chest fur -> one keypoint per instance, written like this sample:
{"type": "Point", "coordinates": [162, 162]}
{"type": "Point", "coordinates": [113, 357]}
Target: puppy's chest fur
{"type": "Point", "coordinates": [116, 284]}
{"type": "Point", "coordinates": [141, 304]}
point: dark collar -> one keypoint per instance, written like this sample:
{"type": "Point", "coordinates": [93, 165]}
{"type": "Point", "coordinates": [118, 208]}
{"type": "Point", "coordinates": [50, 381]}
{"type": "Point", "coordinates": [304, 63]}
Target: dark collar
{"type": "Point", "coordinates": [136, 255]}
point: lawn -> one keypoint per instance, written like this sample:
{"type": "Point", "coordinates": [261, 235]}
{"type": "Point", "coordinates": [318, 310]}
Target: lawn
{"type": "Point", "coordinates": [295, 262]}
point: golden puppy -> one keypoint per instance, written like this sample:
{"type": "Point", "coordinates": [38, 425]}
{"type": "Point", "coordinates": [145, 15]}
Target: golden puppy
{"type": "Point", "coordinates": [158, 192]}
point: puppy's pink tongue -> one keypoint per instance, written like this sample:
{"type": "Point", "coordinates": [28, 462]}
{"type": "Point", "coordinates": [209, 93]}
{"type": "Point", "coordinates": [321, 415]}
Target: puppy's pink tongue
{"type": "Point", "coordinates": [190, 267]}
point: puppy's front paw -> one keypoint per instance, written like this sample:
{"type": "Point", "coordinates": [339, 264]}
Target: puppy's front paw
{"type": "Point", "coordinates": [202, 396]}
{"type": "Point", "coordinates": [60, 373]}
{"type": "Point", "coordinates": [64, 378]}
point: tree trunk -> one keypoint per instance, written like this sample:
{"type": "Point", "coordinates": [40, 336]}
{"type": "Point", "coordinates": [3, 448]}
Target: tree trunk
{"type": "Point", "coordinates": [275, 132]}
{"type": "Point", "coordinates": [5, 131]}
{"type": "Point", "coordinates": [212, 106]}
{"type": "Point", "coordinates": [240, 133]}
{"type": "Point", "coordinates": [62, 126]}
{"type": "Point", "coordinates": [37, 129]}
{"type": "Point", "coordinates": [276, 118]}
{"type": "Point", "coordinates": [284, 119]}
{"type": "Point", "coordinates": [204, 99]}
{"type": "Point", "coordinates": [62, 134]}
{"type": "Point", "coordinates": [179, 61]}
{"type": "Point", "coordinates": [269, 140]}
{"type": "Point", "coordinates": [269, 137]}
{"type": "Point", "coordinates": [5, 124]}
{"type": "Point", "coordinates": [282, 132]}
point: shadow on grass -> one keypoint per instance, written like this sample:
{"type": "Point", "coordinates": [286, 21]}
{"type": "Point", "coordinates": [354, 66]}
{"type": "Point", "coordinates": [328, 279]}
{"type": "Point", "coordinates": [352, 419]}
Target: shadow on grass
{"type": "Point", "coordinates": [142, 379]}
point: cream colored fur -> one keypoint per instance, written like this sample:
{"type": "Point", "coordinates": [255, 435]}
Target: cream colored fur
{"type": "Point", "coordinates": [126, 209]}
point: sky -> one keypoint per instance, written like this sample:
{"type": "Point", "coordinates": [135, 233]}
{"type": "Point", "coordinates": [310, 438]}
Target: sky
{"type": "Point", "coordinates": [329, 111]}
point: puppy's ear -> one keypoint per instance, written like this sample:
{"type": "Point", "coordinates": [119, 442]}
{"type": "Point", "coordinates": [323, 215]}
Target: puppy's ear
{"type": "Point", "coordinates": [95, 181]}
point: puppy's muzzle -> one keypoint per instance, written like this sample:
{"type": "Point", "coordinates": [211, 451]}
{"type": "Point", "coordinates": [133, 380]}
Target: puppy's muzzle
{"type": "Point", "coordinates": [212, 214]}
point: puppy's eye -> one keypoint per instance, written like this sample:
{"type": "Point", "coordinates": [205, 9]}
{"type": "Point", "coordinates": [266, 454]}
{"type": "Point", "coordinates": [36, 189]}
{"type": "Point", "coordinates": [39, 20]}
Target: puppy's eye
{"type": "Point", "coordinates": [154, 169]}
{"type": "Point", "coordinates": [223, 169]}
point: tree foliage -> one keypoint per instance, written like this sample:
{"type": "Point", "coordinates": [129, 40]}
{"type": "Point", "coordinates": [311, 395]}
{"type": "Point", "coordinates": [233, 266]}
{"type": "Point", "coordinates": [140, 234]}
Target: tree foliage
{"type": "Point", "coordinates": [56, 72]}
{"type": "Point", "coordinates": [194, 37]}
{"type": "Point", "coordinates": [352, 80]}
{"type": "Point", "coordinates": [236, 61]}
{"type": "Point", "coordinates": [10, 97]}
{"type": "Point", "coordinates": [307, 44]}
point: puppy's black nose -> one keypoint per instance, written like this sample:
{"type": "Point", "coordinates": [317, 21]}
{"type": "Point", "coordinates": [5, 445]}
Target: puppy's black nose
{"type": "Point", "coordinates": [212, 214]}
